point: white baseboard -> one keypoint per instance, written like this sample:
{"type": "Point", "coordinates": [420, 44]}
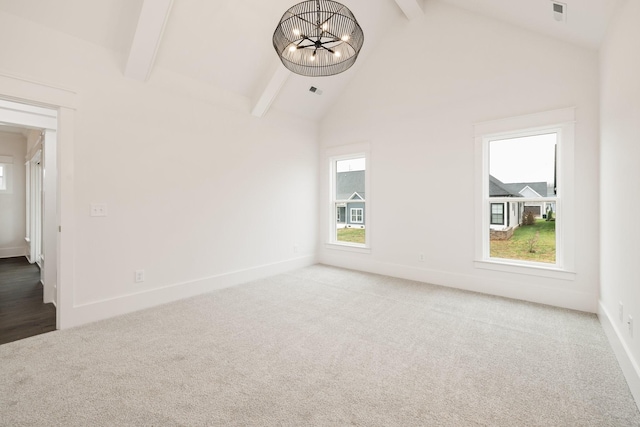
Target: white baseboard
{"type": "Point", "coordinates": [103, 309]}
{"type": "Point", "coordinates": [549, 295]}
{"type": "Point", "coordinates": [629, 365]}
{"type": "Point", "coordinates": [12, 252]}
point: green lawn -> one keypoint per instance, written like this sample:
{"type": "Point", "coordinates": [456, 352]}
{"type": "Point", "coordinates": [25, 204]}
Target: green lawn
{"type": "Point", "coordinates": [351, 235]}
{"type": "Point", "coordinates": [517, 247]}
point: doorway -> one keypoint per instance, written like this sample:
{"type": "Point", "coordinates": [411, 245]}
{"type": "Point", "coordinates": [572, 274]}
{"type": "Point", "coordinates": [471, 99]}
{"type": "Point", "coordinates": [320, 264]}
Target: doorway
{"type": "Point", "coordinates": [40, 185]}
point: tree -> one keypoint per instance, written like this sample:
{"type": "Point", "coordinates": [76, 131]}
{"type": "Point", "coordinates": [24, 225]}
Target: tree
{"type": "Point", "coordinates": [529, 218]}
{"type": "Point", "coordinates": [532, 242]}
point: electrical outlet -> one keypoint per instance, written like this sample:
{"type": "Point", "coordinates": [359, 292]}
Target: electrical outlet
{"type": "Point", "coordinates": [630, 324]}
{"type": "Point", "coordinates": [421, 257]}
{"type": "Point", "coordinates": [621, 312]}
{"type": "Point", "coordinates": [139, 276]}
{"type": "Point", "coordinates": [98, 209]}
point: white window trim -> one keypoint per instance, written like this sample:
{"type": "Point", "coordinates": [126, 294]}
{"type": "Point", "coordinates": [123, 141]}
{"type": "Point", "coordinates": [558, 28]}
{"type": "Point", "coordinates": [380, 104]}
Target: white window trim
{"type": "Point", "coordinates": [353, 211]}
{"type": "Point", "coordinates": [345, 152]}
{"type": "Point", "coordinates": [563, 122]}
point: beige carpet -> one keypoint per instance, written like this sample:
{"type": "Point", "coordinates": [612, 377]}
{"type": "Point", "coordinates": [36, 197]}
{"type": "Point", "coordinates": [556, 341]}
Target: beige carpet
{"type": "Point", "coordinates": [322, 346]}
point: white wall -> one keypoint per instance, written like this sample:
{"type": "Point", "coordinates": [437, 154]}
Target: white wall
{"type": "Point", "coordinates": [12, 205]}
{"type": "Point", "coordinates": [200, 194]}
{"type": "Point", "coordinates": [620, 187]}
{"type": "Point", "coordinates": [416, 101]}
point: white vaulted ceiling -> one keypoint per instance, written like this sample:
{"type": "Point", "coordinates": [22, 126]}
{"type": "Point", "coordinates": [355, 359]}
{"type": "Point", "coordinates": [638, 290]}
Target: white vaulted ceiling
{"type": "Point", "coordinates": [108, 23]}
{"type": "Point", "coordinates": [586, 19]}
{"type": "Point", "coordinates": [227, 43]}
{"type": "Point", "coordinates": [222, 42]}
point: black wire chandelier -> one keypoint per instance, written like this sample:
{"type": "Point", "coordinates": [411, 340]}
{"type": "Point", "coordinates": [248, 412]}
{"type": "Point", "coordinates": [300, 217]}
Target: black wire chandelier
{"type": "Point", "coordinates": [318, 38]}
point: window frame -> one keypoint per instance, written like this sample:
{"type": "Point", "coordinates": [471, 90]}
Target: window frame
{"type": "Point", "coordinates": [333, 155]}
{"type": "Point", "coordinates": [561, 122]}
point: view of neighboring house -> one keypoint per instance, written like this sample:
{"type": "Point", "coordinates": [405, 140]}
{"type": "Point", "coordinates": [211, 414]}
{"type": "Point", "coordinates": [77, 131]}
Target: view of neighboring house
{"type": "Point", "coordinates": [350, 190]}
{"type": "Point", "coordinates": [510, 214]}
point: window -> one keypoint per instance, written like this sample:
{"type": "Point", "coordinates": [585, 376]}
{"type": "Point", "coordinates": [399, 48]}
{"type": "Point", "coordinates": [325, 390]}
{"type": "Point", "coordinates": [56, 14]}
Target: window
{"type": "Point", "coordinates": [349, 180]}
{"type": "Point", "coordinates": [349, 219]}
{"type": "Point", "coordinates": [497, 213]}
{"type": "Point", "coordinates": [6, 164]}
{"type": "Point", "coordinates": [525, 192]}
{"type": "Point", "coordinates": [356, 215]}
{"type": "Point", "coordinates": [522, 174]}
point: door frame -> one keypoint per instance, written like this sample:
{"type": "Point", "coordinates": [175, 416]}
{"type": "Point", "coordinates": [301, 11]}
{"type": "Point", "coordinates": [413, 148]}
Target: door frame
{"type": "Point", "coordinates": [33, 165]}
{"type": "Point", "coordinates": [37, 96]}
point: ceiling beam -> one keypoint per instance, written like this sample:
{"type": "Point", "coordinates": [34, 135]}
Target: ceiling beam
{"type": "Point", "coordinates": [146, 40]}
{"type": "Point", "coordinates": [269, 91]}
{"type": "Point", "coordinates": [411, 8]}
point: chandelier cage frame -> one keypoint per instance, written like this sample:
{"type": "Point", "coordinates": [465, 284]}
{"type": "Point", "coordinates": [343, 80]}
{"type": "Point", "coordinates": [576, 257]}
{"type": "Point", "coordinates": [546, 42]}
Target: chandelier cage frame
{"type": "Point", "coordinates": [318, 38]}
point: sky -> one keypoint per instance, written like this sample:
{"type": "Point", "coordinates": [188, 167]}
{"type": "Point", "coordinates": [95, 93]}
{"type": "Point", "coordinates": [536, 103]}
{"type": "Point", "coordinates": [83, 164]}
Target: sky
{"type": "Point", "coordinates": [526, 159]}
{"type": "Point", "coordinates": [350, 165]}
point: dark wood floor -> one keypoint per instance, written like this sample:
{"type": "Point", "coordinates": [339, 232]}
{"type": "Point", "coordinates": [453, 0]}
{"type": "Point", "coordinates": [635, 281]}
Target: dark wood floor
{"type": "Point", "coordinates": [22, 313]}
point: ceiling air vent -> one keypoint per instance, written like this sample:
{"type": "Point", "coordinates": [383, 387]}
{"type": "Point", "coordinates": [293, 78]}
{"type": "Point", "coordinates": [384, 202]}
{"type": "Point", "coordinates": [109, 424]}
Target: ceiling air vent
{"type": "Point", "coordinates": [315, 90]}
{"type": "Point", "coordinates": [559, 11]}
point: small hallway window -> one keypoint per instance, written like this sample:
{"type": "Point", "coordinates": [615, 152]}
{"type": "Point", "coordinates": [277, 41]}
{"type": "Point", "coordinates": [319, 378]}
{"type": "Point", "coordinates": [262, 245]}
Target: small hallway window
{"type": "Point", "coordinates": [6, 163]}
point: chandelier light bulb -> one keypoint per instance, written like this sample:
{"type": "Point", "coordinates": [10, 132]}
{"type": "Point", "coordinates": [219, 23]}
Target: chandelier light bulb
{"type": "Point", "coordinates": [345, 38]}
{"type": "Point", "coordinates": [337, 54]}
{"type": "Point", "coordinates": [292, 48]}
{"type": "Point", "coordinates": [296, 32]}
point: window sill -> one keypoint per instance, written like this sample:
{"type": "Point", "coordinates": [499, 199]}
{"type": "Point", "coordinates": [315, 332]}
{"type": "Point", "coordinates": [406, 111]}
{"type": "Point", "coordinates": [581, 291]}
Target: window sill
{"type": "Point", "coordinates": [349, 248]}
{"type": "Point", "coordinates": [531, 270]}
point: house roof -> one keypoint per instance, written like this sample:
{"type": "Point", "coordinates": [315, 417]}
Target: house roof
{"type": "Point", "coordinates": [348, 183]}
{"type": "Point", "coordinates": [498, 188]}
{"type": "Point", "coordinates": [538, 187]}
